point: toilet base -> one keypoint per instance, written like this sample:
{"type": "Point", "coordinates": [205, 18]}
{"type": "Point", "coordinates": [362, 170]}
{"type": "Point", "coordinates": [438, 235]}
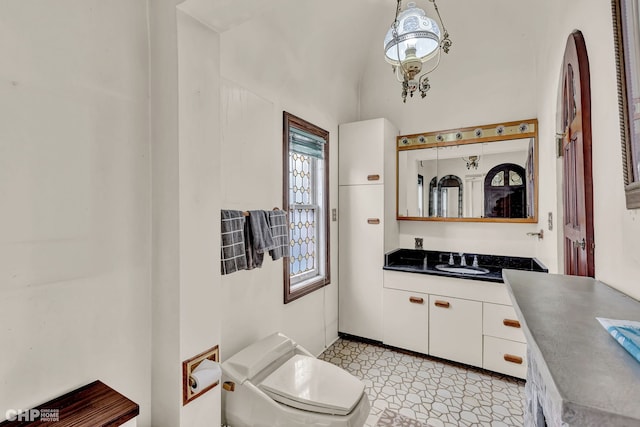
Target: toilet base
{"type": "Point", "coordinates": [242, 409]}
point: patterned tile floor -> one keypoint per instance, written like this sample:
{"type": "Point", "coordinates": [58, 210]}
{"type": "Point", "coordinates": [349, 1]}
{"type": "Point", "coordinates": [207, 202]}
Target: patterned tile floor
{"type": "Point", "coordinates": [433, 391]}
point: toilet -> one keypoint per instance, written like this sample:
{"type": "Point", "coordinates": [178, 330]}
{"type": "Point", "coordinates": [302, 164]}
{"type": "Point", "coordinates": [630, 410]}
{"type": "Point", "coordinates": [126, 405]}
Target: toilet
{"type": "Point", "coordinates": [277, 383]}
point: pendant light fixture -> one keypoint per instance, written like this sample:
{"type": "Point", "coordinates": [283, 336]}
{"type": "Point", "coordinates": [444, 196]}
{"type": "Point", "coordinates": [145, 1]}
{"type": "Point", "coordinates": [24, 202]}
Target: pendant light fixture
{"type": "Point", "coordinates": [413, 40]}
{"type": "Point", "coordinates": [472, 161]}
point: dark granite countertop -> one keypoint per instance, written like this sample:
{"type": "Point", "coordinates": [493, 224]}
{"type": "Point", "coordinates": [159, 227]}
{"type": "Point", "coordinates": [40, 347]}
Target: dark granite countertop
{"type": "Point", "coordinates": [413, 261]}
{"type": "Point", "coordinates": [585, 377]}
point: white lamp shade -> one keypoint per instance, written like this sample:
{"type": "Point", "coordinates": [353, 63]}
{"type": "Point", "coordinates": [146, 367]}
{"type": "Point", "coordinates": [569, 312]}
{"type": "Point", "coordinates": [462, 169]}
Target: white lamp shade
{"type": "Point", "coordinates": [415, 30]}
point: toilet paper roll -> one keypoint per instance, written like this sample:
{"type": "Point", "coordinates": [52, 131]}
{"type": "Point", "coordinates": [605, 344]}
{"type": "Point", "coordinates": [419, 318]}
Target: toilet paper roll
{"type": "Point", "coordinates": [206, 373]}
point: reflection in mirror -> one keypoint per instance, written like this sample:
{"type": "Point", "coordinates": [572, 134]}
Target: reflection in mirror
{"type": "Point", "coordinates": [505, 192]}
{"type": "Point", "coordinates": [478, 178]}
{"type": "Point", "coordinates": [417, 163]}
{"type": "Point", "coordinates": [450, 195]}
{"type": "Point", "coordinates": [433, 196]}
{"type": "Point", "coordinates": [420, 195]}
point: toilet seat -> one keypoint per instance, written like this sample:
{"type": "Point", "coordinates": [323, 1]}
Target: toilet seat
{"type": "Point", "coordinates": [311, 384]}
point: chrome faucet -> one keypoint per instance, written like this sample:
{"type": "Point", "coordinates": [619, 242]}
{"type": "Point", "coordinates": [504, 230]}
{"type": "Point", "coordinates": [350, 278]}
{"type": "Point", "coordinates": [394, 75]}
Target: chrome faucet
{"type": "Point", "coordinates": [424, 263]}
{"type": "Point", "coordinates": [463, 261]}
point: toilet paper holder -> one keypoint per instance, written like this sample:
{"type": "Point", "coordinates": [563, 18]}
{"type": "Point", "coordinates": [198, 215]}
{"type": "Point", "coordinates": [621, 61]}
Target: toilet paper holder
{"type": "Point", "coordinates": [189, 366]}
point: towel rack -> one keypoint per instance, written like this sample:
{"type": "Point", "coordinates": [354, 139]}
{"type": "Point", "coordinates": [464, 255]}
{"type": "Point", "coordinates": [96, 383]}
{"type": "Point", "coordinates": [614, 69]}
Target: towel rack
{"type": "Point", "coordinates": [245, 213]}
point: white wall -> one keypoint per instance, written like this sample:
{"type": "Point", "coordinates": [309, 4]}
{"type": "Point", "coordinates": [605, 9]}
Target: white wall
{"type": "Point", "coordinates": [199, 172]}
{"type": "Point", "coordinates": [617, 251]}
{"type": "Point", "coordinates": [163, 109]}
{"type": "Point", "coordinates": [489, 76]}
{"type": "Point", "coordinates": [186, 169]}
{"type": "Point", "coordinates": [75, 191]}
{"type": "Point", "coordinates": [265, 71]}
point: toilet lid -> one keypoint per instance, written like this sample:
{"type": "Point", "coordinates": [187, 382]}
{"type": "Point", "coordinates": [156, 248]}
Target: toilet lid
{"type": "Point", "coordinates": [313, 385]}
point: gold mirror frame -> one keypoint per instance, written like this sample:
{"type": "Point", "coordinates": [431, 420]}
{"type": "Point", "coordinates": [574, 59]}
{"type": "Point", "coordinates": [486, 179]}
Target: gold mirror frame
{"type": "Point", "coordinates": [471, 135]}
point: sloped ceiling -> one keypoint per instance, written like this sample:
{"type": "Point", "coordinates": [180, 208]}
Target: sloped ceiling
{"type": "Point", "coordinates": [332, 36]}
{"type": "Point", "coordinates": [222, 15]}
{"type": "Point", "coordinates": [287, 44]}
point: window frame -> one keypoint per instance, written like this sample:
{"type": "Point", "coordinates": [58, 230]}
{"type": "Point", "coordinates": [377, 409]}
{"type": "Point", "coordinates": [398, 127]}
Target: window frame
{"type": "Point", "coordinates": [629, 139]}
{"type": "Point", "coordinates": [298, 290]}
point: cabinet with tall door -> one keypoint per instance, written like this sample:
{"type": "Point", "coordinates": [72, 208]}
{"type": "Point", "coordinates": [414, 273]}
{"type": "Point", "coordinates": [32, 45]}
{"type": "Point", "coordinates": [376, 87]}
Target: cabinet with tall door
{"type": "Point", "coordinates": [367, 222]}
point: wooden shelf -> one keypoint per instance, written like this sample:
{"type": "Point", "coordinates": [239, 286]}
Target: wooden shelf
{"type": "Point", "coordinates": [94, 405]}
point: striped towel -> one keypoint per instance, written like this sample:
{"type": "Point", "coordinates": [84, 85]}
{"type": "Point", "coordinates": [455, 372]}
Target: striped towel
{"type": "Point", "coordinates": [233, 257]}
{"type": "Point", "coordinates": [280, 233]}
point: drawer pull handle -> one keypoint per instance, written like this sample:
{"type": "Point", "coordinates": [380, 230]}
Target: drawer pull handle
{"type": "Point", "coordinates": [513, 359]}
{"type": "Point", "coordinates": [416, 300]}
{"type": "Point", "coordinates": [373, 177]}
{"type": "Point", "coordinates": [443, 304]}
{"type": "Point", "coordinates": [373, 220]}
{"type": "Point", "coordinates": [511, 323]}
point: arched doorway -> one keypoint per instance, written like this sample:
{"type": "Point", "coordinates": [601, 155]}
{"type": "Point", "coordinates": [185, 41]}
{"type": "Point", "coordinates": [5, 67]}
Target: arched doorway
{"type": "Point", "coordinates": [505, 192]}
{"type": "Point", "coordinates": [577, 194]}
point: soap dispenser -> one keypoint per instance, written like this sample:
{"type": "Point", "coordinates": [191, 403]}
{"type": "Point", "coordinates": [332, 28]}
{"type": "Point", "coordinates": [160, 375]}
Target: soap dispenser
{"type": "Point", "coordinates": [451, 259]}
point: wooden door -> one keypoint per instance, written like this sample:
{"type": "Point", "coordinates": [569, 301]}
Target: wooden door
{"type": "Point", "coordinates": [576, 149]}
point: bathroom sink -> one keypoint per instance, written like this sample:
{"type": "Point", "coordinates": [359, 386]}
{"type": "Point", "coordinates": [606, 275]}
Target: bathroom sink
{"type": "Point", "coordinates": [489, 268]}
{"type": "Point", "coordinates": [460, 269]}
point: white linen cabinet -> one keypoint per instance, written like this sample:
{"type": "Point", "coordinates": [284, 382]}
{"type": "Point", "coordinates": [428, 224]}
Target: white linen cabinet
{"type": "Point", "coordinates": [367, 222]}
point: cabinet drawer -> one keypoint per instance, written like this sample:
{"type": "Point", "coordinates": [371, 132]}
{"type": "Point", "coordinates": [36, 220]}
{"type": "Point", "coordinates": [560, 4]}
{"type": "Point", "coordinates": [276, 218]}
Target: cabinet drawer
{"type": "Point", "coordinates": [500, 321]}
{"type": "Point", "coordinates": [455, 329]}
{"type": "Point", "coordinates": [406, 320]}
{"type": "Point", "coordinates": [505, 356]}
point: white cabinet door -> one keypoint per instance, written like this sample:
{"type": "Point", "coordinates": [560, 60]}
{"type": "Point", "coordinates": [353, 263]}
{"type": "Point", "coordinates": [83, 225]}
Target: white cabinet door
{"type": "Point", "coordinates": [455, 329]}
{"type": "Point", "coordinates": [361, 152]}
{"type": "Point", "coordinates": [405, 320]}
{"type": "Point", "coordinates": [361, 256]}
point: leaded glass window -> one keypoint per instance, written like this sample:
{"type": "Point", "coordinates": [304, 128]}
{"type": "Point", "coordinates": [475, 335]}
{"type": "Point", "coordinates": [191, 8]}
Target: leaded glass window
{"type": "Point", "coordinates": [307, 199]}
{"type": "Point", "coordinates": [498, 179]}
{"type": "Point", "coordinates": [303, 216]}
{"type": "Point", "coordinates": [515, 178]}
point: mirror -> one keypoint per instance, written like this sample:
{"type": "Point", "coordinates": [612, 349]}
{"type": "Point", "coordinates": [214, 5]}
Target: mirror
{"type": "Point", "coordinates": [483, 173]}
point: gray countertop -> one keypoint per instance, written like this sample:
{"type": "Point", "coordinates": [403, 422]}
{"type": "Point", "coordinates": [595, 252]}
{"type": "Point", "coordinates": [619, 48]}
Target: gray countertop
{"type": "Point", "coordinates": [595, 379]}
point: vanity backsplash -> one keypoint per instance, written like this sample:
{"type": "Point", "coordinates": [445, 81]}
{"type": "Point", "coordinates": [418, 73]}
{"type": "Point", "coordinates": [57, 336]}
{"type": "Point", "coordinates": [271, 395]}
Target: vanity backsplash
{"type": "Point", "coordinates": [452, 264]}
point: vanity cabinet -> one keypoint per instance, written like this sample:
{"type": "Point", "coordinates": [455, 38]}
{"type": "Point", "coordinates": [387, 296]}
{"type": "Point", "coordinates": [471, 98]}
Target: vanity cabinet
{"type": "Point", "coordinates": [467, 321]}
{"type": "Point", "coordinates": [455, 329]}
{"type": "Point", "coordinates": [406, 320]}
{"type": "Point", "coordinates": [367, 225]}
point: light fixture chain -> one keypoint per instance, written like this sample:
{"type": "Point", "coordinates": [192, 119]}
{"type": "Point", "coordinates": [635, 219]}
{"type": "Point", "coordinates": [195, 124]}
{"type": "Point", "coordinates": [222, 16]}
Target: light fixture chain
{"type": "Point", "coordinates": [446, 41]}
{"type": "Point", "coordinates": [398, 9]}
{"type": "Point", "coordinates": [394, 32]}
